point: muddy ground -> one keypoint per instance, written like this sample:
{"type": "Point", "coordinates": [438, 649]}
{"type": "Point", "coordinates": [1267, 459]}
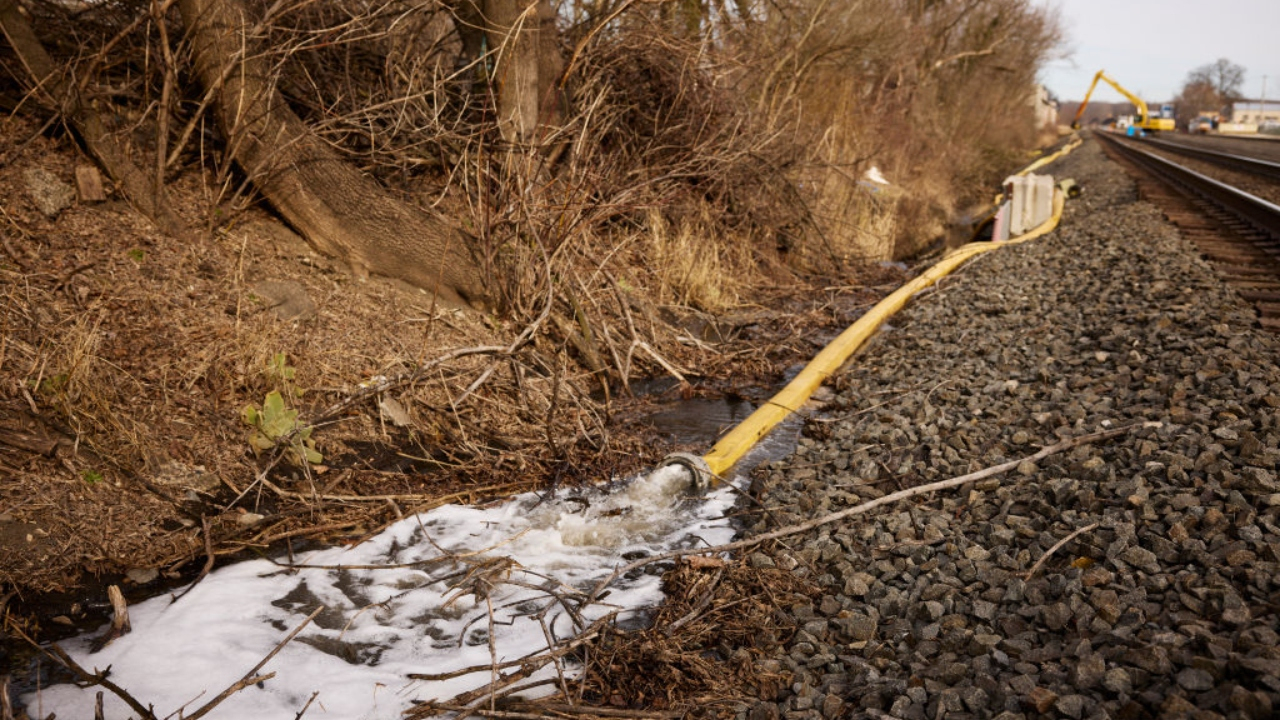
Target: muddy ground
{"type": "Point", "coordinates": [127, 359]}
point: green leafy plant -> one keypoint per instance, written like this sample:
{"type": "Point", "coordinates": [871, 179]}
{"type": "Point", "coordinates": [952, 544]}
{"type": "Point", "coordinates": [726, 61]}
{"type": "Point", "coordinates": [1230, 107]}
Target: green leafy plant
{"type": "Point", "coordinates": [51, 386]}
{"type": "Point", "coordinates": [274, 425]}
{"type": "Point", "coordinates": [91, 477]}
{"type": "Point", "coordinates": [281, 373]}
{"type": "Point", "coordinates": [137, 255]}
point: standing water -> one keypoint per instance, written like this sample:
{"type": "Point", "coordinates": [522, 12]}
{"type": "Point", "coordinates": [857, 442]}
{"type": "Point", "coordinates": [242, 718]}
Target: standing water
{"type": "Point", "coordinates": [420, 598]}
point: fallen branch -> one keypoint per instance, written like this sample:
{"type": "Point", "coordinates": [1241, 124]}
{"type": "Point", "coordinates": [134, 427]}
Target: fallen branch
{"type": "Point", "coordinates": [120, 624]}
{"type": "Point", "coordinates": [252, 677]}
{"type": "Point", "coordinates": [863, 508]}
{"type": "Point", "coordinates": [405, 378]}
{"type": "Point", "coordinates": [60, 656]}
{"type": "Point", "coordinates": [675, 373]}
{"type": "Point", "coordinates": [6, 709]}
{"type": "Point", "coordinates": [537, 661]}
{"type": "Point", "coordinates": [527, 666]}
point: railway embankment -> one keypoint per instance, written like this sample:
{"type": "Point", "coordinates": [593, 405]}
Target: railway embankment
{"type": "Point", "coordinates": [1138, 576]}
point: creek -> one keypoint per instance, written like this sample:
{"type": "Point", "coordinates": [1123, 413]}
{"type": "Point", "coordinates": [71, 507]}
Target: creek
{"type": "Point", "coordinates": [434, 594]}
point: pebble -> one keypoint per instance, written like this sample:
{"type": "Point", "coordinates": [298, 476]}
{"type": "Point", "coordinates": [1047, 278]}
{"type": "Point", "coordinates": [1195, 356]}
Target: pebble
{"type": "Point", "coordinates": [1165, 608]}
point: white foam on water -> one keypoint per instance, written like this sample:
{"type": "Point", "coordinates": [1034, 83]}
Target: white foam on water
{"type": "Point", "coordinates": [381, 624]}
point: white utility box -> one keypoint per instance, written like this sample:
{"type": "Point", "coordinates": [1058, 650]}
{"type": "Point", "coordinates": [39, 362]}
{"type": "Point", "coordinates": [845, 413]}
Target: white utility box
{"type": "Point", "coordinates": [1030, 199]}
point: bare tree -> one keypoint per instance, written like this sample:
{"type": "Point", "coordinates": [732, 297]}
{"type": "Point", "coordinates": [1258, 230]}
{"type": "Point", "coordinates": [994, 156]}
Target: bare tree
{"type": "Point", "coordinates": [1196, 98]}
{"type": "Point", "coordinates": [339, 210]}
{"type": "Point", "coordinates": [1223, 76]}
{"type": "Point", "coordinates": [1209, 88]}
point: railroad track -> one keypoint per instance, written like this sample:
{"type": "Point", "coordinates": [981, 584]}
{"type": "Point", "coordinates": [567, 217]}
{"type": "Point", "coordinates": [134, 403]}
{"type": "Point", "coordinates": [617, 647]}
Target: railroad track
{"type": "Point", "coordinates": [1234, 161]}
{"type": "Point", "coordinates": [1238, 233]}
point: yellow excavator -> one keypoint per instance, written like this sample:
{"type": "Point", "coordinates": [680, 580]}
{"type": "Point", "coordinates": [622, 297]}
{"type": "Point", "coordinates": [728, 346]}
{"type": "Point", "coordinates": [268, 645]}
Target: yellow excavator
{"type": "Point", "coordinates": [1164, 122]}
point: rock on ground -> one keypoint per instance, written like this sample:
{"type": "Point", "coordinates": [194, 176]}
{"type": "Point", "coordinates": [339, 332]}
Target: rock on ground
{"type": "Point", "coordinates": [49, 193]}
{"type": "Point", "coordinates": [1168, 608]}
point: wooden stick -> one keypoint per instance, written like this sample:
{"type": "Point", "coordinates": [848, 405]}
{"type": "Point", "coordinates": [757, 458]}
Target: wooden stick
{"type": "Point", "coordinates": [310, 700]}
{"type": "Point", "coordinates": [1058, 546]}
{"type": "Point", "coordinates": [88, 678]}
{"type": "Point", "coordinates": [6, 709]}
{"type": "Point", "coordinates": [408, 377]}
{"type": "Point", "coordinates": [119, 620]}
{"type": "Point", "coordinates": [864, 507]}
{"type": "Point", "coordinates": [252, 677]}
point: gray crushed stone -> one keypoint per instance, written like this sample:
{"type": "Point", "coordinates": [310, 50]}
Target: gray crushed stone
{"type": "Point", "coordinates": [1167, 609]}
{"type": "Point", "coordinates": [49, 193]}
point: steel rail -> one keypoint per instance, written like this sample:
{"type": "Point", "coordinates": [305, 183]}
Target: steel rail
{"type": "Point", "coordinates": [1259, 213]}
{"type": "Point", "coordinates": [1254, 166]}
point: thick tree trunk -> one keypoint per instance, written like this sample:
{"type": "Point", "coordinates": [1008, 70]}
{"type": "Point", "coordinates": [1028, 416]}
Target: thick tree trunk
{"type": "Point", "coordinates": [514, 32]}
{"type": "Point", "coordinates": [526, 61]}
{"type": "Point", "coordinates": [337, 209]}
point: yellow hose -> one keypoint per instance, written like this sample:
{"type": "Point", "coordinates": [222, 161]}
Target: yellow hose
{"type": "Point", "coordinates": [1066, 149]}
{"type": "Point", "coordinates": [742, 438]}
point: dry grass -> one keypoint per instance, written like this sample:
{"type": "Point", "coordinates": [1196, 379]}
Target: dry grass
{"type": "Point", "coordinates": [690, 268]}
{"type": "Point", "coordinates": [699, 654]}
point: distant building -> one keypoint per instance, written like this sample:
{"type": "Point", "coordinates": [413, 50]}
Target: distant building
{"type": "Point", "coordinates": [1046, 108]}
{"type": "Point", "coordinates": [1256, 112]}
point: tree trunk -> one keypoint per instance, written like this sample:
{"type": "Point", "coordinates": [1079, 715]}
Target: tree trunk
{"type": "Point", "coordinates": [525, 58]}
{"type": "Point", "coordinates": [337, 209]}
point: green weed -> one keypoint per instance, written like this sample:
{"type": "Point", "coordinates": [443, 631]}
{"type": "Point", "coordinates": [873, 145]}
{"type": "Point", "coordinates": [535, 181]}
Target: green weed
{"type": "Point", "coordinates": [274, 425]}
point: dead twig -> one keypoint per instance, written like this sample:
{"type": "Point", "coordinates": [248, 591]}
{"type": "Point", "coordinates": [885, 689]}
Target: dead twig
{"type": "Point", "coordinates": [208, 562]}
{"type": "Point", "coordinates": [252, 676]}
{"type": "Point", "coordinates": [310, 700]}
{"type": "Point", "coordinates": [58, 655]}
{"type": "Point", "coordinates": [382, 386]}
{"type": "Point", "coordinates": [702, 603]}
{"type": "Point", "coordinates": [527, 664]}
{"type": "Point", "coordinates": [1058, 546]}
{"type": "Point", "coordinates": [864, 507]}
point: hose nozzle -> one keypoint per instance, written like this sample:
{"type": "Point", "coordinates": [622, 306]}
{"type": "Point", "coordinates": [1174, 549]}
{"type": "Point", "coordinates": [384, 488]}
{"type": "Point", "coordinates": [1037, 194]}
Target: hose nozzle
{"type": "Point", "coordinates": [697, 467]}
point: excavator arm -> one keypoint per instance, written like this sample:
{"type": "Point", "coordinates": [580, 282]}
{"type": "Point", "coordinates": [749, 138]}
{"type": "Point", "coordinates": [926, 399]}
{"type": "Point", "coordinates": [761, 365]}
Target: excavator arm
{"type": "Point", "coordinates": [1145, 121]}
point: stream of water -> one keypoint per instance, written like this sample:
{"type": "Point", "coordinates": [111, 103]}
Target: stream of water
{"type": "Point", "coordinates": [454, 588]}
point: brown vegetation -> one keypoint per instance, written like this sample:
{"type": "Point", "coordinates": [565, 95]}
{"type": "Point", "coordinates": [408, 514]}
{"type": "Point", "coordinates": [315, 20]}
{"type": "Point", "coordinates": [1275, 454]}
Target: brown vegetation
{"type": "Point", "coordinates": [1209, 90]}
{"type": "Point", "coordinates": [684, 163]}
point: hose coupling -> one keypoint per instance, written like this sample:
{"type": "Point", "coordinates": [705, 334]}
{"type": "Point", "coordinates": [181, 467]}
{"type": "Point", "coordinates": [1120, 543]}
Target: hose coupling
{"type": "Point", "coordinates": [697, 467]}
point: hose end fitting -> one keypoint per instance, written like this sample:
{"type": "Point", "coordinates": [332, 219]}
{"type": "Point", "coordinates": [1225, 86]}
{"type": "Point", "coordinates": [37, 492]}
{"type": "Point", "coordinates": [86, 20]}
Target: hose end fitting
{"type": "Point", "coordinates": [697, 467]}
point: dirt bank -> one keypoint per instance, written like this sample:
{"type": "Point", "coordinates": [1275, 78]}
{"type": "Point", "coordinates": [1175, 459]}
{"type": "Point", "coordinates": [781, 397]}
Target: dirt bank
{"type": "Point", "coordinates": [128, 358]}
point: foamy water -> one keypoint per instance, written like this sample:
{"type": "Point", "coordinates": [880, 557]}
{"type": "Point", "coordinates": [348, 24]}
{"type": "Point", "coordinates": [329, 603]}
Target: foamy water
{"type": "Point", "coordinates": [419, 611]}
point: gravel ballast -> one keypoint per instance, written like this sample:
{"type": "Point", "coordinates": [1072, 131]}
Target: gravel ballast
{"type": "Point", "coordinates": [1165, 602]}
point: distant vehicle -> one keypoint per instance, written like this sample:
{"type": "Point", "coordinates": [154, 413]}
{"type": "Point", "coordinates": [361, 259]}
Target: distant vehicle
{"type": "Point", "coordinates": [1201, 125]}
{"type": "Point", "coordinates": [1144, 121]}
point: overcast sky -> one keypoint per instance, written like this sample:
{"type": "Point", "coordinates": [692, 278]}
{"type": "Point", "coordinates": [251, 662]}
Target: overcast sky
{"type": "Point", "coordinates": [1149, 46]}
